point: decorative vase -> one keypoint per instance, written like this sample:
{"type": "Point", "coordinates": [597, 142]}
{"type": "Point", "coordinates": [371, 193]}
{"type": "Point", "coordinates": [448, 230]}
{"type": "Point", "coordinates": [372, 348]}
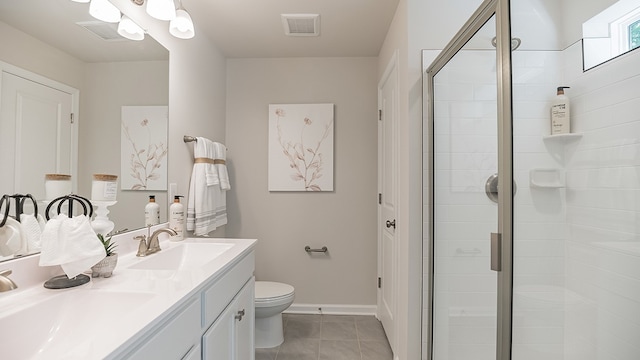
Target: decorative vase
{"type": "Point", "coordinates": [105, 267]}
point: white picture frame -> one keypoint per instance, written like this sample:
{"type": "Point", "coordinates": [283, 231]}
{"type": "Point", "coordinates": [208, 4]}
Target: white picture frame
{"type": "Point", "coordinates": [301, 147]}
{"type": "Point", "coordinates": [143, 145]}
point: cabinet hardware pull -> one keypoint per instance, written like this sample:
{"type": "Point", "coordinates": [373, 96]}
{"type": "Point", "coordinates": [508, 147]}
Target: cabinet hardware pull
{"type": "Point", "coordinates": [240, 315]}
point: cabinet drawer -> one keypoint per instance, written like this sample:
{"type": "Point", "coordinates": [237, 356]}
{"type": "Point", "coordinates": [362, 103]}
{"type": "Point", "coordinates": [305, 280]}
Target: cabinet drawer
{"type": "Point", "coordinates": [220, 294]}
{"type": "Point", "coordinates": [174, 338]}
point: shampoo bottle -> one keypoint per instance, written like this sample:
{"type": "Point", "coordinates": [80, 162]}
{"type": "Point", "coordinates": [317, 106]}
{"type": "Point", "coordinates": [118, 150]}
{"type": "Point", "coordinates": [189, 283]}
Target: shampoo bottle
{"type": "Point", "coordinates": [176, 218]}
{"type": "Point", "coordinates": [560, 113]}
{"type": "Point", "coordinates": [152, 212]}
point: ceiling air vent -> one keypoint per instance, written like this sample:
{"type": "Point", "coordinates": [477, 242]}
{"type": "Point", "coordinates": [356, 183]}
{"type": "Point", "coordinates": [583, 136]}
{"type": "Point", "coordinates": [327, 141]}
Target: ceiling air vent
{"type": "Point", "coordinates": [301, 24]}
{"type": "Point", "coordinates": [103, 30]}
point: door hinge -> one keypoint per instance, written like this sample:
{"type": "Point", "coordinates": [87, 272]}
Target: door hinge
{"type": "Point", "coordinates": [72, 119]}
{"type": "Point", "coordinates": [380, 114]}
{"type": "Point", "coordinates": [379, 282]}
{"type": "Point", "coordinates": [379, 198]}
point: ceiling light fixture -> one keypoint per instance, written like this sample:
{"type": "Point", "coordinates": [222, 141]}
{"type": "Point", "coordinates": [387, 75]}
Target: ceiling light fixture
{"type": "Point", "coordinates": [130, 30]}
{"type": "Point", "coordinates": [104, 10]}
{"type": "Point", "coordinates": [182, 26]}
{"type": "Point", "coordinates": [161, 9]}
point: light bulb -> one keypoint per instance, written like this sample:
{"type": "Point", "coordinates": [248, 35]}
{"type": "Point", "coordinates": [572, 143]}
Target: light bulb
{"type": "Point", "coordinates": [161, 9]}
{"type": "Point", "coordinates": [129, 29]}
{"type": "Point", "coordinates": [104, 10]}
{"type": "Point", "coordinates": [182, 26]}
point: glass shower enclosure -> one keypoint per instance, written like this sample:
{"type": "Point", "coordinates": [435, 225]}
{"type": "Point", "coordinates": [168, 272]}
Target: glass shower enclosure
{"type": "Point", "coordinates": [553, 270]}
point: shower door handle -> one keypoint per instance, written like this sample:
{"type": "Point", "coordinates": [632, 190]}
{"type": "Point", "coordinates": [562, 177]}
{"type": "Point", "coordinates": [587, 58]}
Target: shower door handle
{"type": "Point", "coordinates": [496, 251]}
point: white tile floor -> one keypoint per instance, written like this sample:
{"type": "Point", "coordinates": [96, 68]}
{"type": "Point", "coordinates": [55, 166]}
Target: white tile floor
{"type": "Point", "coordinates": [330, 337]}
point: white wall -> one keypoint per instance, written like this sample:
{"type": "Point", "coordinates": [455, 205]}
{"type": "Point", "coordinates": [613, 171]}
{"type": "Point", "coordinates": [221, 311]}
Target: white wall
{"type": "Point", "coordinates": [31, 54]}
{"type": "Point", "coordinates": [108, 87]}
{"type": "Point", "coordinates": [285, 222]}
{"type": "Point", "coordinates": [197, 94]}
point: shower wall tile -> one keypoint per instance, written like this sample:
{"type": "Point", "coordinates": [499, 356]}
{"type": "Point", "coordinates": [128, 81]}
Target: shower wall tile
{"type": "Point", "coordinates": [603, 211]}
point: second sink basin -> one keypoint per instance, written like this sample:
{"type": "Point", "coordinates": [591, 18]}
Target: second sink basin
{"type": "Point", "coordinates": [184, 256]}
{"type": "Point", "coordinates": [60, 325]}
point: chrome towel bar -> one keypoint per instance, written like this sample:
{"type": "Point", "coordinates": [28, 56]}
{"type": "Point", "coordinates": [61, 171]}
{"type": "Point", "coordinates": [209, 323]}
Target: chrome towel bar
{"type": "Point", "coordinates": [310, 250]}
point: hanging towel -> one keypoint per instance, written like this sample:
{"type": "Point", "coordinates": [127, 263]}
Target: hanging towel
{"type": "Point", "coordinates": [220, 164]}
{"type": "Point", "coordinates": [206, 206]}
{"type": "Point", "coordinates": [11, 238]}
{"type": "Point", "coordinates": [70, 243]}
{"type": "Point", "coordinates": [32, 227]}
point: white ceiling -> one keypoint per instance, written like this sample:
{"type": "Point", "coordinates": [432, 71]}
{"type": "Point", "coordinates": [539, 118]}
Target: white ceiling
{"type": "Point", "coordinates": [239, 28]}
{"type": "Point", "coordinates": [253, 28]}
{"type": "Point", "coordinates": [54, 22]}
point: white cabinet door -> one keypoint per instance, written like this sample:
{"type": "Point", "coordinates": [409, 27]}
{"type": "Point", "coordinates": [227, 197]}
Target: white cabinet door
{"type": "Point", "coordinates": [217, 342]}
{"type": "Point", "coordinates": [194, 354]}
{"type": "Point", "coordinates": [231, 337]}
{"type": "Point", "coordinates": [245, 324]}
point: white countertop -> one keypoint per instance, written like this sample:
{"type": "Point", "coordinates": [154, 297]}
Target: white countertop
{"type": "Point", "coordinates": [106, 314]}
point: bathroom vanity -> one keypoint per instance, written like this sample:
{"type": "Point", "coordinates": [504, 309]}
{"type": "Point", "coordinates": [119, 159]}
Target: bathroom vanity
{"type": "Point", "coordinates": [192, 300]}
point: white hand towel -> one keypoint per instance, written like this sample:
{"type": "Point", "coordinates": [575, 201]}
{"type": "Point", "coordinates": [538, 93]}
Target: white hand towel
{"type": "Point", "coordinates": [223, 174]}
{"type": "Point", "coordinates": [32, 228]}
{"type": "Point", "coordinates": [206, 148]}
{"type": "Point", "coordinates": [11, 238]}
{"type": "Point", "coordinates": [70, 243]}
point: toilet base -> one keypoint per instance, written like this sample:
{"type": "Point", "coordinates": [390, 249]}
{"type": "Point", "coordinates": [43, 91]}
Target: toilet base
{"type": "Point", "coordinates": [269, 332]}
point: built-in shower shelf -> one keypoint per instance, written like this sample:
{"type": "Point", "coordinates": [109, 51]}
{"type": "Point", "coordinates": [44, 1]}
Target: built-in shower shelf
{"type": "Point", "coordinates": [546, 178]}
{"type": "Point", "coordinates": [563, 138]}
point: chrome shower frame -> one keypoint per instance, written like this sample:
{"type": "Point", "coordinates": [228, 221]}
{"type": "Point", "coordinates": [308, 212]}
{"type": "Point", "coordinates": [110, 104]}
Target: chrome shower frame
{"type": "Point", "coordinates": [501, 10]}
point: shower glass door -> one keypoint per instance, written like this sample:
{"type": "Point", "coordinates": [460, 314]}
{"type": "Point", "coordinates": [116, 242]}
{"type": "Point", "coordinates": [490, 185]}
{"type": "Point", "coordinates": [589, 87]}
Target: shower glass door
{"type": "Point", "coordinates": [464, 159]}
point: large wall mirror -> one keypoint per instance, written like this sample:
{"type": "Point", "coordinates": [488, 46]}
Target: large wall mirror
{"type": "Point", "coordinates": [59, 40]}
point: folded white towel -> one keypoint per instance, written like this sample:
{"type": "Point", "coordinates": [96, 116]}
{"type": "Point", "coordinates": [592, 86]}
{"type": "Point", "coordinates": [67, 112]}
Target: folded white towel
{"type": "Point", "coordinates": [70, 243]}
{"type": "Point", "coordinates": [223, 174]}
{"type": "Point", "coordinates": [32, 227]}
{"type": "Point", "coordinates": [206, 148]}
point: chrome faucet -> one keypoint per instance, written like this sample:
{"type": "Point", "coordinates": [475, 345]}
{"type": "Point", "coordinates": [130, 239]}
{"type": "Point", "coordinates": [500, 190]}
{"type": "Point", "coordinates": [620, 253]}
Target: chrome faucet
{"type": "Point", "coordinates": [6, 284]}
{"type": "Point", "coordinates": [152, 245]}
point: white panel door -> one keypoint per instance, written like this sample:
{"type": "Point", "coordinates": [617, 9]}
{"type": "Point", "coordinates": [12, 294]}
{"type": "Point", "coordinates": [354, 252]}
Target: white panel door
{"type": "Point", "coordinates": [35, 121]}
{"type": "Point", "coordinates": [387, 247]}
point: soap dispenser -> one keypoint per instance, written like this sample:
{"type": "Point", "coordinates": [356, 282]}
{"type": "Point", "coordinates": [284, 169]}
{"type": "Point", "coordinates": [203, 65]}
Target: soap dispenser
{"type": "Point", "coordinates": [560, 113]}
{"type": "Point", "coordinates": [176, 218]}
{"type": "Point", "coordinates": [152, 212]}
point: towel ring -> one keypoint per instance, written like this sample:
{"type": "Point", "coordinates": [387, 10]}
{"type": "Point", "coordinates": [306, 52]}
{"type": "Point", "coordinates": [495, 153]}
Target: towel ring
{"type": "Point", "coordinates": [70, 198]}
{"type": "Point", "coordinates": [33, 201]}
{"type": "Point", "coordinates": [5, 198]}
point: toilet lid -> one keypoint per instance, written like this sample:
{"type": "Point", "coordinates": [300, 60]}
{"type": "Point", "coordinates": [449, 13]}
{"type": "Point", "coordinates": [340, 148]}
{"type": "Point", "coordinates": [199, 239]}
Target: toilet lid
{"type": "Point", "coordinates": [266, 290]}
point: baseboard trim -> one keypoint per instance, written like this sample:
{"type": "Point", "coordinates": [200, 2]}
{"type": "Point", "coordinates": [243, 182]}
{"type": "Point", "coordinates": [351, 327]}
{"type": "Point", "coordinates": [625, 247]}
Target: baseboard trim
{"type": "Point", "coordinates": [332, 309]}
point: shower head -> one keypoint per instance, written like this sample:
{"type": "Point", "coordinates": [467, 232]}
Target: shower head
{"type": "Point", "coordinates": [515, 42]}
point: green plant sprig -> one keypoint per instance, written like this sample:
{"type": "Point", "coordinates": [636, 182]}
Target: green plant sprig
{"type": "Point", "coordinates": [108, 245]}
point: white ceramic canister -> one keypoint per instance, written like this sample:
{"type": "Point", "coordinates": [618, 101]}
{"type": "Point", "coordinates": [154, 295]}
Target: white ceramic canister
{"type": "Point", "coordinates": [56, 185]}
{"type": "Point", "coordinates": [104, 187]}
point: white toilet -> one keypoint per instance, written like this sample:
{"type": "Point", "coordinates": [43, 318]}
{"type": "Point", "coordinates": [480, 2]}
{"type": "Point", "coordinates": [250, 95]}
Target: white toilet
{"type": "Point", "coordinates": [272, 298]}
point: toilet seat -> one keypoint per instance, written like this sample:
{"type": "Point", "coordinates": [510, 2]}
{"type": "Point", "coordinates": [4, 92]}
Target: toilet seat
{"type": "Point", "coordinates": [269, 293]}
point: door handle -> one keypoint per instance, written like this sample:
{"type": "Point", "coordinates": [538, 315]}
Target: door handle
{"type": "Point", "coordinates": [496, 251]}
{"type": "Point", "coordinates": [391, 223]}
{"type": "Point", "coordinates": [240, 315]}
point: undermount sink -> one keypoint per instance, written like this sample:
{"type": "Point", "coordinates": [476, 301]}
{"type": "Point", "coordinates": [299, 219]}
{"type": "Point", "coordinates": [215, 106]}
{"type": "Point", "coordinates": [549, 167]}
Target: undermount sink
{"type": "Point", "coordinates": [61, 325]}
{"type": "Point", "coordinates": [185, 256]}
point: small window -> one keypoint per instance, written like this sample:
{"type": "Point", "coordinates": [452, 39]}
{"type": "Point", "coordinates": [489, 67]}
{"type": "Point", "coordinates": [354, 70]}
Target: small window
{"type": "Point", "coordinates": [634, 35]}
